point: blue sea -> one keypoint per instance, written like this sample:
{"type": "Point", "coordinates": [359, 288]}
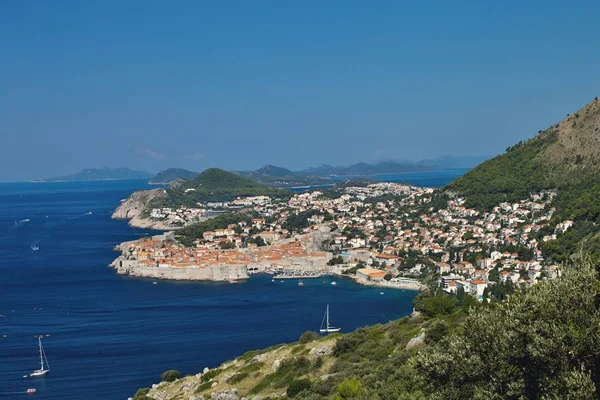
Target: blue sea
{"type": "Point", "coordinates": [107, 335]}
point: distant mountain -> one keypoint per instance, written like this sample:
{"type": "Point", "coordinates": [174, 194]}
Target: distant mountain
{"type": "Point", "coordinates": [447, 162]}
{"type": "Point", "coordinates": [362, 168]}
{"type": "Point", "coordinates": [101, 174]}
{"type": "Point", "coordinates": [272, 170]}
{"type": "Point", "coordinates": [172, 174]}
{"type": "Point", "coordinates": [274, 176]}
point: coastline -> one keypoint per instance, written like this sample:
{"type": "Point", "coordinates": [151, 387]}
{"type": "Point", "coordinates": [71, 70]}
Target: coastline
{"type": "Point", "coordinates": [402, 285]}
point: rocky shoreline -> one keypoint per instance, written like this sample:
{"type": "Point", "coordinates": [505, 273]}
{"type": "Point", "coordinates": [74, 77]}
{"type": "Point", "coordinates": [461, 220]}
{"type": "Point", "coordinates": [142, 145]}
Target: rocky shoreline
{"type": "Point", "coordinates": [133, 208]}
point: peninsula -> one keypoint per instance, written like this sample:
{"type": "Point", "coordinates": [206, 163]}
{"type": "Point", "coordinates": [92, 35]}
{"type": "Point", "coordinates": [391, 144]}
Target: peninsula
{"type": "Point", "coordinates": [529, 217]}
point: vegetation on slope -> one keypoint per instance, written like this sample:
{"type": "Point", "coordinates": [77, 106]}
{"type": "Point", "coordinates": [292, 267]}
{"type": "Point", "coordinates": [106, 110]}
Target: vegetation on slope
{"type": "Point", "coordinates": [541, 344]}
{"type": "Point", "coordinates": [565, 157]}
{"type": "Point", "coordinates": [216, 185]}
{"type": "Point", "coordinates": [188, 234]}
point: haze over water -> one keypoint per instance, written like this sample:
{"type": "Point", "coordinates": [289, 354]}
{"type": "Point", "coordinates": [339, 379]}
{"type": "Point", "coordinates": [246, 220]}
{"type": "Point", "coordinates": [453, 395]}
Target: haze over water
{"type": "Point", "coordinates": [110, 335]}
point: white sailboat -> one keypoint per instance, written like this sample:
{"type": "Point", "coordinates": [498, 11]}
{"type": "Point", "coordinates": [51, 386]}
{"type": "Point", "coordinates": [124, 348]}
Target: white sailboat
{"type": "Point", "coordinates": [44, 368]}
{"type": "Point", "coordinates": [328, 328]}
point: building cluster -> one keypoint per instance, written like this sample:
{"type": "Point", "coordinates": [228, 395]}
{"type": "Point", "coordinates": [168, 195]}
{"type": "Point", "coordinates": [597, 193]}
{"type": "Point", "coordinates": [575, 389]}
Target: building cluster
{"type": "Point", "coordinates": [180, 216]}
{"type": "Point", "coordinates": [387, 231]}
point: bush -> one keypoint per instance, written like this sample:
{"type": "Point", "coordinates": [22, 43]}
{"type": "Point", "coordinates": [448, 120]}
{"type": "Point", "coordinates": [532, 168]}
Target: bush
{"type": "Point", "coordinates": [298, 386]}
{"type": "Point", "coordinates": [309, 336]}
{"type": "Point", "coordinates": [348, 389]}
{"type": "Point", "coordinates": [210, 374]}
{"type": "Point", "coordinates": [237, 378]}
{"type": "Point", "coordinates": [170, 375]}
{"type": "Point", "coordinates": [141, 394]}
{"type": "Point", "coordinates": [439, 305]}
{"type": "Point", "coordinates": [436, 332]}
{"type": "Point", "coordinates": [387, 276]}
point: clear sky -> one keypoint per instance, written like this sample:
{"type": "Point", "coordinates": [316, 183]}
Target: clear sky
{"type": "Point", "coordinates": [239, 84]}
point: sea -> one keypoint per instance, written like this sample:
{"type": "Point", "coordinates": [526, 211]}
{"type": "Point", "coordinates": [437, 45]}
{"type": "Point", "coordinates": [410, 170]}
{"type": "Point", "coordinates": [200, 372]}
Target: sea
{"type": "Point", "coordinates": [106, 335]}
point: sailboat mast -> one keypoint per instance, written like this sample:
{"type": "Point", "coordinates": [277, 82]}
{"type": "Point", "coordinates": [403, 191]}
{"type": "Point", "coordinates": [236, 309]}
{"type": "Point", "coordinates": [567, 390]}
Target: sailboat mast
{"type": "Point", "coordinates": [41, 354]}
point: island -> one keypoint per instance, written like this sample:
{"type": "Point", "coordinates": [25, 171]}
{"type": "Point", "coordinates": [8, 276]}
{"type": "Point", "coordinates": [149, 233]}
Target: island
{"type": "Point", "coordinates": [100, 174]}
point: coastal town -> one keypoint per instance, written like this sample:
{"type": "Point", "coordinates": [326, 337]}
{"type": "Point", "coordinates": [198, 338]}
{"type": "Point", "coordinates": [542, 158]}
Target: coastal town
{"type": "Point", "coordinates": [384, 234]}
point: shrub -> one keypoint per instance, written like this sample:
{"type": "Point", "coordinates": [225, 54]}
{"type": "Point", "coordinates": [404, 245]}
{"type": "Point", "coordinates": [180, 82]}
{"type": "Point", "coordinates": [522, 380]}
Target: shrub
{"type": "Point", "coordinates": [170, 375]}
{"type": "Point", "coordinates": [309, 336]}
{"type": "Point", "coordinates": [237, 378]}
{"type": "Point", "coordinates": [141, 394]}
{"type": "Point", "coordinates": [348, 389]}
{"type": "Point", "coordinates": [203, 386]}
{"type": "Point", "coordinates": [436, 332]}
{"type": "Point", "coordinates": [210, 374]}
{"type": "Point", "coordinates": [297, 386]}
{"type": "Point", "coordinates": [439, 305]}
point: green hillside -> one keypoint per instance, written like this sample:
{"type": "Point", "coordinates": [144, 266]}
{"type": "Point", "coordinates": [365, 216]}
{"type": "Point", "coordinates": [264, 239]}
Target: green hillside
{"type": "Point", "coordinates": [216, 185]}
{"type": "Point", "coordinates": [564, 157]}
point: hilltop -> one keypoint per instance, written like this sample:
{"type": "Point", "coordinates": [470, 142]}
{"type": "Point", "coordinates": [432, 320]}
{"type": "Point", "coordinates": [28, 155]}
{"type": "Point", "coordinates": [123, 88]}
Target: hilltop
{"type": "Point", "coordinates": [565, 154]}
{"type": "Point", "coordinates": [213, 185]}
{"type": "Point", "coordinates": [272, 170]}
{"type": "Point", "coordinates": [172, 174]}
{"type": "Point", "coordinates": [100, 174]}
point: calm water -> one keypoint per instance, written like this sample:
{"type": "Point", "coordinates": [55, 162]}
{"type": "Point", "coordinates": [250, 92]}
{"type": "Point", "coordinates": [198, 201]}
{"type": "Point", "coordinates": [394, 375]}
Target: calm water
{"type": "Point", "coordinates": [110, 335]}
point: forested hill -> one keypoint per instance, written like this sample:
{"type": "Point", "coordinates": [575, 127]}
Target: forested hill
{"type": "Point", "coordinates": [217, 185]}
{"type": "Point", "coordinates": [565, 158]}
{"type": "Point", "coordinates": [566, 154]}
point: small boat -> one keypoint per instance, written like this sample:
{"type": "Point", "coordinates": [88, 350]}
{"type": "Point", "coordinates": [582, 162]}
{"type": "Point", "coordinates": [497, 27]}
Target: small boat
{"type": "Point", "coordinates": [154, 283]}
{"type": "Point", "coordinates": [30, 391]}
{"type": "Point", "coordinates": [380, 292]}
{"type": "Point", "coordinates": [44, 369]}
{"type": "Point", "coordinates": [35, 247]}
{"type": "Point", "coordinates": [300, 283]}
{"type": "Point", "coordinates": [272, 280]}
{"type": "Point", "coordinates": [328, 328]}
{"type": "Point", "coordinates": [334, 283]}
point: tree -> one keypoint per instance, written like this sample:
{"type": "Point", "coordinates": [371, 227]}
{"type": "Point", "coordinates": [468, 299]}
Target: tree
{"type": "Point", "coordinates": [542, 344]}
{"type": "Point", "coordinates": [387, 276]}
{"type": "Point", "coordinates": [439, 305]}
{"type": "Point", "coordinates": [227, 245]}
{"type": "Point", "coordinates": [436, 332]}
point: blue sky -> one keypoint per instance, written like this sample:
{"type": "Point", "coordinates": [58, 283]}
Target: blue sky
{"type": "Point", "coordinates": [239, 84]}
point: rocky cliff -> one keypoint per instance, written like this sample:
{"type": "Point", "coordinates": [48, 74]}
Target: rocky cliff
{"type": "Point", "coordinates": [134, 206]}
